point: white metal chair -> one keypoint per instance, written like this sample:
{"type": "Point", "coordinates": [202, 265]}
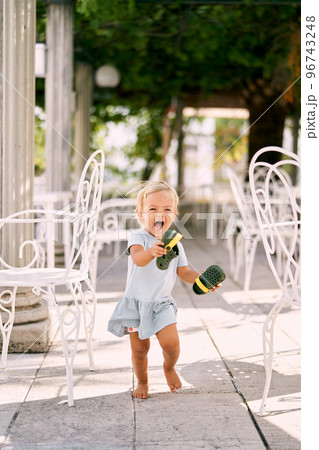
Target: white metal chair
{"type": "Point", "coordinates": [82, 217]}
{"type": "Point", "coordinates": [49, 201]}
{"type": "Point", "coordinates": [249, 234]}
{"type": "Point", "coordinates": [278, 215]}
{"type": "Point", "coordinates": [114, 216]}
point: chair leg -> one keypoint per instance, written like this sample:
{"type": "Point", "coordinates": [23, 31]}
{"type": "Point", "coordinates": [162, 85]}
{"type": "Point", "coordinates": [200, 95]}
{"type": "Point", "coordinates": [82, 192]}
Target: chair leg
{"type": "Point", "coordinates": [69, 320]}
{"type": "Point", "coordinates": [239, 244]}
{"type": "Point", "coordinates": [268, 348]}
{"type": "Point", "coordinates": [231, 253]}
{"type": "Point", "coordinates": [279, 259]}
{"type": "Point", "coordinates": [89, 309]}
{"type": "Point", "coordinates": [94, 257]}
{"type": "Point", "coordinates": [250, 251]}
{"type": "Point", "coordinates": [7, 300]}
{"type": "Point", "coordinates": [117, 249]}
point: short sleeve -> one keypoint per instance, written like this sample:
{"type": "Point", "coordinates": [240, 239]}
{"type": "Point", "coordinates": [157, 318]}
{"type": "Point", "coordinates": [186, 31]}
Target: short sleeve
{"type": "Point", "coordinates": [136, 238]}
{"type": "Point", "coordinates": [182, 260]}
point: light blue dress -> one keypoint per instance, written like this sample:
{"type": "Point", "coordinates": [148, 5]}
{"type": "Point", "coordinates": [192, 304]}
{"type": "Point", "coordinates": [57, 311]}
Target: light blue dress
{"type": "Point", "coordinates": [147, 302]}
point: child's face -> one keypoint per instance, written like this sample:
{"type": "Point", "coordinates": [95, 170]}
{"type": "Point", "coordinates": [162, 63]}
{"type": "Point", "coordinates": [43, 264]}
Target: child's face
{"type": "Point", "coordinates": [158, 212]}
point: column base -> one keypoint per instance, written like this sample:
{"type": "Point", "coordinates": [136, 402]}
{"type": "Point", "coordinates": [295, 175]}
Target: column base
{"type": "Point", "coordinates": [30, 337]}
{"type": "Point", "coordinates": [31, 330]}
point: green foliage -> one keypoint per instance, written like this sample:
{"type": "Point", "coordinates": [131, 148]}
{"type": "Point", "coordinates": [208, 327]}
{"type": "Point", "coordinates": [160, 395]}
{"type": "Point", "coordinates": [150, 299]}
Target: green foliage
{"type": "Point", "coordinates": [41, 20]}
{"type": "Point", "coordinates": [166, 50]}
{"type": "Point", "coordinates": [39, 142]}
{"type": "Point", "coordinates": [231, 139]}
{"type": "Point", "coordinates": [149, 141]}
{"type": "Point", "coordinates": [141, 156]}
{"type": "Point", "coordinates": [169, 49]}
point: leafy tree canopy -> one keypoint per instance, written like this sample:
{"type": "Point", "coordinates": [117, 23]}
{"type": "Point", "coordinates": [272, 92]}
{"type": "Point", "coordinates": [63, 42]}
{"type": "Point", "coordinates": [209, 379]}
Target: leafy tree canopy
{"type": "Point", "coordinates": [168, 49]}
{"type": "Point", "coordinates": [191, 50]}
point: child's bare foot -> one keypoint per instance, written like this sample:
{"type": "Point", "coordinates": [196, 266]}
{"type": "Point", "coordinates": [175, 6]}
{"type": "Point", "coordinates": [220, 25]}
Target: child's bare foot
{"type": "Point", "coordinates": [173, 381]}
{"type": "Point", "coordinates": [141, 391]}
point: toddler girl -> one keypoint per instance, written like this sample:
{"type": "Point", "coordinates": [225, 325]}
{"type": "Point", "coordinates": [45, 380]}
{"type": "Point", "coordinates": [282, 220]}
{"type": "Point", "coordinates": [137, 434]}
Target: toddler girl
{"type": "Point", "coordinates": [147, 307]}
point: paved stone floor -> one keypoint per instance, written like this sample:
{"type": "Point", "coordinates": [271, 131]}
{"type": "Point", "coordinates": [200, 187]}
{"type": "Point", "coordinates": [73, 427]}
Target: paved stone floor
{"type": "Point", "coordinates": [221, 367]}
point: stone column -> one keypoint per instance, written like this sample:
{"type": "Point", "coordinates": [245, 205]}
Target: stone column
{"type": "Point", "coordinates": [83, 88]}
{"type": "Point", "coordinates": [17, 159]}
{"type": "Point", "coordinates": [58, 94]}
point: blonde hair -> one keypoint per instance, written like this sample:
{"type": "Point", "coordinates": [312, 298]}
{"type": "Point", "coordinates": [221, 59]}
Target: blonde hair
{"type": "Point", "coordinates": [149, 187]}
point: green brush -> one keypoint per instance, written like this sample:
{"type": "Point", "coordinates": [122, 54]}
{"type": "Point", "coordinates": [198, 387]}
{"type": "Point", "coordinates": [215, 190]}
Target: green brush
{"type": "Point", "coordinates": [207, 280]}
{"type": "Point", "coordinates": [170, 239]}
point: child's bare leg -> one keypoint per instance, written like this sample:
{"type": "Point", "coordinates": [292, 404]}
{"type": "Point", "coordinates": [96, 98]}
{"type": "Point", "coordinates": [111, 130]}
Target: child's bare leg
{"type": "Point", "coordinates": [140, 350]}
{"type": "Point", "coordinates": [169, 341]}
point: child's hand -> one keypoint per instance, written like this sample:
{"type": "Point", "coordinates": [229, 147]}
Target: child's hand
{"type": "Point", "coordinates": [158, 250]}
{"type": "Point", "coordinates": [215, 287]}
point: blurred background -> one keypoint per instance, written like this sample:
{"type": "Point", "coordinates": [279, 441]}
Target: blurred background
{"type": "Point", "coordinates": [176, 89]}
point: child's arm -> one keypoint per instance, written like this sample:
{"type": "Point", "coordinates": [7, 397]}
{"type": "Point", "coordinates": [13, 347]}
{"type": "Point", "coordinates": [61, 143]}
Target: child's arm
{"type": "Point", "coordinates": [189, 276]}
{"type": "Point", "coordinates": [142, 257]}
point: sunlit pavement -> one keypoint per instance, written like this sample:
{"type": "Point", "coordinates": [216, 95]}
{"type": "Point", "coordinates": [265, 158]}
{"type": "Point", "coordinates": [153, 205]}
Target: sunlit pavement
{"type": "Point", "coordinates": [221, 367]}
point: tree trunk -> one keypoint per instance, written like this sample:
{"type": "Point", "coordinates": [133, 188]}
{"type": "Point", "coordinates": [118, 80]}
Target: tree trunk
{"type": "Point", "coordinates": [295, 132]}
{"type": "Point", "coordinates": [266, 126]}
{"type": "Point", "coordinates": [166, 142]}
{"type": "Point", "coordinates": [147, 172]}
{"type": "Point", "coordinates": [180, 147]}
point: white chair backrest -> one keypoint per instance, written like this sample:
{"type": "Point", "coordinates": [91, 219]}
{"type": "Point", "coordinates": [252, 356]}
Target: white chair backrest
{"type": "Point", "coordinates": [117, 214]}
{"type": "Point", "coordinates": [241, 199]}
{"type": "Point", "coordinates": [277, 207]}
{"type": "Point", "coordinates": [27, 252]}
{"type": "Point", "coordinates": [82, 216]}
{"type": "Point", "coordinates": [118, 203]}
{"type": "Point", "coordinates": [87, 204]}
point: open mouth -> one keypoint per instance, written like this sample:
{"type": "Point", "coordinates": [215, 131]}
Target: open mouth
{"type": "Point", "coordinates": [158, 225]}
